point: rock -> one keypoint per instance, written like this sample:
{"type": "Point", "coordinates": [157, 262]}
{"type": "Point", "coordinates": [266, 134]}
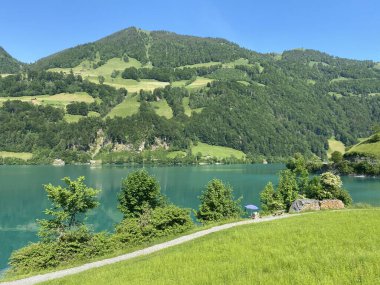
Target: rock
{"type": "Point", "coordinates": [301, 205]}
{"type": "Point", "coordinates": [58, 162]}
{"type": "Point", "coordinates": [331, 204]}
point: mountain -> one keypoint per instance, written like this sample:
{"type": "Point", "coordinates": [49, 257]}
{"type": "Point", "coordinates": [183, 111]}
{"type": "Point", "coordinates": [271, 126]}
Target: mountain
{"type": "Point", "coordinates": [183, 90]}
{"type": "Point", "coordinates": [8, 64]}
{"type": "Point", "coordinates": [161, 48]}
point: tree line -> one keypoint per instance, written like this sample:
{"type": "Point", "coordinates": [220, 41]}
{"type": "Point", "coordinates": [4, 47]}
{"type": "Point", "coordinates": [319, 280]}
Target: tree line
{"type": "Point", "coordinates": [147, 217]}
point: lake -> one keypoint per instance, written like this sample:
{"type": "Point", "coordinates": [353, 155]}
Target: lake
{"type": "Point", "coordinates": [23, 199]}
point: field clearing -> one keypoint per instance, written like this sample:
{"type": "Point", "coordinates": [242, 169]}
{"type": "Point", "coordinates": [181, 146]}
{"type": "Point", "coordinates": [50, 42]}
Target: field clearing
{"type": "Point", "coordinates": [377, 65]}
{"type": "Point", "coordinates": [245, 83]}
{"type": "Point", "coordinates": [366, 147]}
{"type": "Point", "coordinates": [5, 74]}
{"type": "Point", "coordinates": [219, 152]}
{"type": "Point", "coordinates": [340, 78]}
{"type": "Point", "coordinates": [331, 247]}
{"type": "Point", "coordinates": [162, 108]}
{"type": "Point", "coordinates": [335, 145]}
{"type": "Point", "coordinates": [199, 83]}
{"type": "Point", "coordinates": [180, 83]}
{"type": "Point", "coordinates": [85, 68]}
{"type": "Point", "coordinates": [75, 118]}
{"type": "Point", "coordinates": [20, 155]}
{"type": "Point", "coordinates": [240, 61]}
{"type": "Point", "coordinates": [207, 64]}
{"type": "Point", "coordinates": [174, 154]}
{"type": "Point", "coordinates": [132, 86]}
{"type": "Point", "coordinates": [188, 110]}
{"type": "Point", "coordinates": [128, 107]}
{"type": "Point", "coordinates": [59, 100]}
{"type": "Point", "coordinates": [337, 95]}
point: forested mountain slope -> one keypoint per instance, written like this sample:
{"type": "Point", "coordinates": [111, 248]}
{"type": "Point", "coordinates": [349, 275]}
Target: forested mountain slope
{"type": "Point", "coordinates": [8, 64]}
{"type": "Point", "coordinates": [162, 90]}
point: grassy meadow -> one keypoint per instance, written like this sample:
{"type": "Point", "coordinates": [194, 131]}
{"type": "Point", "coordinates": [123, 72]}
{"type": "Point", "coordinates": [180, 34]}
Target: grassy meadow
{"type": "Point", "coordinates": [20, 155]}
{"type": "Point", "coordinates": [335, 145]}
{"type": "Point", "coordinates": [328, 247]}
{"type": "Point", "coordinates": [131, 105]}
{"type": "Point", "coordinates": [58, 100]}
{"type": "Point", "coordinates": [216, 151]}
{"type": "Point", "coordinates": [367, 147]}
{"type": "Point", "coordinates": [188, 110]}
{"type": "Point", "coordinates": [128, 107]}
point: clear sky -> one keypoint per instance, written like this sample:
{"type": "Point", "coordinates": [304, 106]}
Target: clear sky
{"type": "Point", "coordinates": [346, 28]}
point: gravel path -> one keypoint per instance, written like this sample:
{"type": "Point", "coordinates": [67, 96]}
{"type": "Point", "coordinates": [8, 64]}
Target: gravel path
{"type": "Point", "coordinates": [61, 273]}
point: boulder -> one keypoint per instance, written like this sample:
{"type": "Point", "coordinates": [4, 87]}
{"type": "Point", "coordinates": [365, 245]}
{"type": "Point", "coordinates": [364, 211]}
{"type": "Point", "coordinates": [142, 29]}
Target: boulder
{"type": "Point", "coordinates": [58, 162]}
{"type": "Point", "coordinates": [301, 205]}
{"type": "Point", "coordinates": [331, 204]}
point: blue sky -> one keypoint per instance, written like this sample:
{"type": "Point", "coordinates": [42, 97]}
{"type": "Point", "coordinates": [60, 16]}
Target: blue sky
{"type": "Point", "coordinates": [351, 28]}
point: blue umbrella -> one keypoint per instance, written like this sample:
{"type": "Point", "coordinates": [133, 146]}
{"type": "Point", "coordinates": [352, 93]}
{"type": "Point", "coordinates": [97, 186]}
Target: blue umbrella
{"type": "Point", "coordinates": [251, 207]}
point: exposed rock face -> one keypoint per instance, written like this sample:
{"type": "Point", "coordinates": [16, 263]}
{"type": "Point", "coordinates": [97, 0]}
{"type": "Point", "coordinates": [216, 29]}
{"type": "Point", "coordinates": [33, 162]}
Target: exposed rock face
{"type": "Point", "coordinates": [301, 205]}
{"type": "Point", "coordinates": [58, 162]}
{"type": "Point", "coordinates": [331, 204]}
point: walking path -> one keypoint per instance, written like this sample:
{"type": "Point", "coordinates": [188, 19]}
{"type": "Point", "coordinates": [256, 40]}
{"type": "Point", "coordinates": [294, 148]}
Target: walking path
{"type": "Point", "coordinates": [62, 273]}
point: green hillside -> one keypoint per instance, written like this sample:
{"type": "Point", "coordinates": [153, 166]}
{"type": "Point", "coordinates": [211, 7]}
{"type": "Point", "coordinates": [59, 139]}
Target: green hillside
{"type": "Point", "coordinates": [185, 89]}
{"type": "Point", "coordinates": [321, 248]}
{"type": "Point", "coordinates": [161, 48]}
{"type": "Point", "coordinates": [369, 146]}
{"type": "Point", "coordinates": [8, 64]}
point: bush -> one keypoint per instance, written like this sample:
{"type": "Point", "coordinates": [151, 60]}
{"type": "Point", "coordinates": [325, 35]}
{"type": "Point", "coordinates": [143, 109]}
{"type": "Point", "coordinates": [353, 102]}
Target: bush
{"type": "Point", "coordinates": [217, 203]}
{"type": "Point", "coordinates": [151, 224]}
{"type": "Point", "coordinates": [43, 255]}
{"type": "Point", "coordinates": [139, 191]}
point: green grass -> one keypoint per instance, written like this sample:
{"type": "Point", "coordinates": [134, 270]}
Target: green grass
{"type": "Point", "coordinates": [132, 86]}
{"type": "Point", "coordinates": [366, 147]}
{"type": "Point", "coordinates": [128, 107]}
{"type": "Point", "coordinates": [86, 71]}
{"type": "Point", "coordinates": [174, 154]}
{"type": "Point", "coordinates": [337, 95]}
{"type": "Point", "coordinates": [131, 106]}
{"type": "Point", "coordinates": [377, 65]}
{"type": "Point", "coordinates": [245, 83]}
{"type": "Point", "coordinates": [85, 68]}
{"type": "Point", "coordinates": [340, 78]}
{"type": "Point", "coordinates": [216, 151]}
{"type": "Point", "coordinates": [207, 64]}
{"type": "Point", "coordinates": [180, 83]}
{"type": "Point", "coordinates": [310, 81]}
{"type": "Point", "coordinates": [331, 247]}
{"type": "Point", "coordinates": [200, 82]}
{"type": "Point", "coordinates": [162, 108]}
{"type": "Point", "coordinates": [188, 110]}
{"type": "Point", "coordinates": [240, 61]}
{"type": "Point", "coordinates": [58, 100]}
{"type": "Point", "coordinates": [335, 145]}
{"type": "Point", "coordinates": [20, 155]}
{"type": "Point", "coordinates": [75, 118]}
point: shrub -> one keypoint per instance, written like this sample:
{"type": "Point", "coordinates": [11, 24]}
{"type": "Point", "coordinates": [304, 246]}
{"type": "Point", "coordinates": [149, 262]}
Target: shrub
{"type": "Point", "coordinates": [139, 191]}
{"type": "Point", "coordinates": [217, 203]}
{"type": "Point", "coordinates": [151, 224]}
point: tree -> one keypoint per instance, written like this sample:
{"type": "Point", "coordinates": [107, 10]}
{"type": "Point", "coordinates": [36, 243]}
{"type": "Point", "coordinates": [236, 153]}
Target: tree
{"type": "Point", "coordinates": [70, 205]}
{"type": "Point", "coordinates": [336, 157]}
{"type": "Point", "coordinates": [288, 187]}
{"type": "Point", "coordinates": [139, 191]}
{"type": "Point", "coordinates": [270, 200]}
{"type": "Point", "coordinates": [217, 203]}
{"type": "Point", "coordinates": [101, 79]}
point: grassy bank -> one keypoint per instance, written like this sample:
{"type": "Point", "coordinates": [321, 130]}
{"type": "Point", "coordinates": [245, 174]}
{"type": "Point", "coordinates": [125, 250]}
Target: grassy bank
{"type": "Point", "coordinates": [322, 248]}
